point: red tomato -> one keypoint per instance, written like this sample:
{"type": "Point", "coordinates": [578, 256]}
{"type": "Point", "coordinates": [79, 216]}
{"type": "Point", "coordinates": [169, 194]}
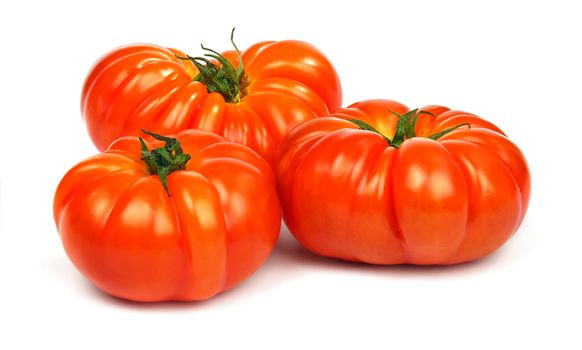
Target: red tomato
{"type": "Point", "coordinates": [192, 219]}
{"type": "Point", "coordinates": [280, 84]}
{"type": "Point", "coordinates": [418, 188]}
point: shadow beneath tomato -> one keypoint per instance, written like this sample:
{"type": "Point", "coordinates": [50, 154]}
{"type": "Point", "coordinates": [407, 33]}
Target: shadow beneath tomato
{"type": "Point", "coordinates": [63, 271]}
{"type": "Point", "coordinates": [291, 252]}
{"type": "Point", "coordinates": [147, 306]}
{"type": "Point", "coordinates": [286, 265]}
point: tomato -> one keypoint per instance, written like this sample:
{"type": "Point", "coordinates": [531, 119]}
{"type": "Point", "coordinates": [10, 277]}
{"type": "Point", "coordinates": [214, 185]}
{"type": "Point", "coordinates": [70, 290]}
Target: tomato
{"type": "Point", "coordinates": [279, 85]}
{"type": "Point", "coordinates": [183, 221]}
{"type": "Point", "coordinates": [381, 184]}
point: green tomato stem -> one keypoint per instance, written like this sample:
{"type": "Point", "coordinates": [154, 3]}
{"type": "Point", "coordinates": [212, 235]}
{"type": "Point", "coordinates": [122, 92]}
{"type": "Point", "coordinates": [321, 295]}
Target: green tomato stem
{"type": "Point", "coordinates": [231, 83]}
{"type": "Point", "coordinates": [163, 161]}
{"type": "Point", "coordinates": [405, 127]}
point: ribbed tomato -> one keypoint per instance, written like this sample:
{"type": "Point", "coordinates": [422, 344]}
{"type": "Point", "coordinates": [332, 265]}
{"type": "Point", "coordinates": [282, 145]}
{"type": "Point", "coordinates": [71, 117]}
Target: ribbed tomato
{"type": "Point", "coordinates": [279, 85]}
{"type": "Point", "coordinates": [381, 184]}
{"type": "Point", "coordinates": [182, 221]}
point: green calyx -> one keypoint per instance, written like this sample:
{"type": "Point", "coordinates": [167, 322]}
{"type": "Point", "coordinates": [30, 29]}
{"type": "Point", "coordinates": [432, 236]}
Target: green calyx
{"type": "Point", "coordinates": [231, 83]}
{"type": "Point", "coordinates": [164, 160]}
{"type": "Point", "coordinates": [405, 127]}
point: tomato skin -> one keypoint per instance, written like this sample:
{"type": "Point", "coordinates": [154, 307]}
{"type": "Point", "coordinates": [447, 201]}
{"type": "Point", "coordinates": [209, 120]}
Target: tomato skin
{"type": "Point", "coordinates": [347, 194]}
{"type": "Point", "coordinates": [147, 86]}
{"type": "Point", "coordinates": [128, 237]}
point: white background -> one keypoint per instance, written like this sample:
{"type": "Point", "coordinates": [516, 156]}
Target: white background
{"type": "Point", "coordinates": [517, 64]}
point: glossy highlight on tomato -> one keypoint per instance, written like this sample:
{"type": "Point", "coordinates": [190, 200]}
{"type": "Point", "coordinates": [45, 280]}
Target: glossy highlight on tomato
{"type": "Point", "coordinates": [184, 221]}
{"type": "Point", "coordinates": [279, 85]}
{"type": "Point", "coordinates": [378, 183]}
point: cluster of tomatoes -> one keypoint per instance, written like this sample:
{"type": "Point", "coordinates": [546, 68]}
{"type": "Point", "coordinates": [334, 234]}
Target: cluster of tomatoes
{"type": "Point", "coordinates": [200, 156]}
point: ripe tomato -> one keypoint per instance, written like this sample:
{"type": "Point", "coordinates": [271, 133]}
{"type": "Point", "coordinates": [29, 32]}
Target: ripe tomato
{"type": "Point", "coordinates": [279, 85]}
{"type": "Point", "coordinates": [381, 184]}
{"type": "Point", "coordinates": [183, 221]}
